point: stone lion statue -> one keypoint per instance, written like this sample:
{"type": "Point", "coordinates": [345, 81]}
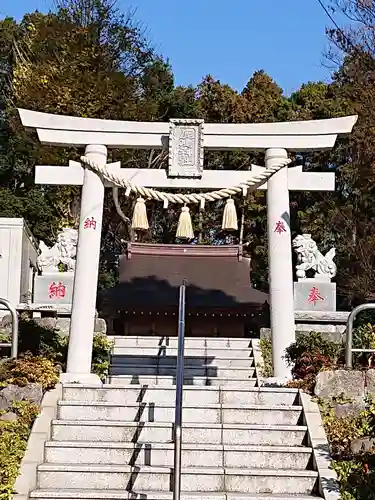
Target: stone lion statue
{"type": "Point", "coordinates": [62, 252]}
{"type": "Point", "coordinates": [309, 257]}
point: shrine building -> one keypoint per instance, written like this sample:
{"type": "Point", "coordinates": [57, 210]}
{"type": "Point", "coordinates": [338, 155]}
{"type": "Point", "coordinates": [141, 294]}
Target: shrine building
{"type": "Point", "coordinates": [220, 300]}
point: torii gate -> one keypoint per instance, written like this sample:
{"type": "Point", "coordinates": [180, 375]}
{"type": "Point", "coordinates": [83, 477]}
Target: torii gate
{"type": "Point", "coordinates": [97, 135]}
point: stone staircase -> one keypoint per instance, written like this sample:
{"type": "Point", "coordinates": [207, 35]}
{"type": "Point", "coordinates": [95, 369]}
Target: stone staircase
{"type": "Point", "coordinates": [208, 361]}
{"type": "Point", "coordinates": [239, 441]}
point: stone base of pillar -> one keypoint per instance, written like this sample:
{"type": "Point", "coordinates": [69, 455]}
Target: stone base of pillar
{"type": "Point", "coordinates": [274, 381]}
{"type": "Point", "coordinates": [80, 378]}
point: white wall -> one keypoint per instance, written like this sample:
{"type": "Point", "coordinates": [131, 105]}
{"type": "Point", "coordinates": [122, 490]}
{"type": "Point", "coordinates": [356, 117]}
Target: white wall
{"type": "Point", "coordinates": [18, 254]}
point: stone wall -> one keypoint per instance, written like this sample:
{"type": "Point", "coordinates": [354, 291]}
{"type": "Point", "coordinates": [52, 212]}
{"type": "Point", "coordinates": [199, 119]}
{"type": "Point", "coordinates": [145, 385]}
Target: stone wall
{"type": "Point", "coordinates": [350, 384]}
{"type": "Point", "coordinates": [333, 336]}
{"type": "Point", "coordinates": [347, 393]}
{"type": "Point", "coordinates": [331, 324]}
{"type": "Point", "coordinates": [11, 393]}
{"type": "Point", "coordinates": [60, 323]}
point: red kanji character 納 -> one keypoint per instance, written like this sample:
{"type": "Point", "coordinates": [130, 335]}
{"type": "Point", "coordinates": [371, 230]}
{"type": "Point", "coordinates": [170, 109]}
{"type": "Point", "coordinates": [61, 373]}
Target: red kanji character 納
{"type": "Point", "coordinates": [57, 290]}
{"type": "Point", "coordinates": [89, 223]}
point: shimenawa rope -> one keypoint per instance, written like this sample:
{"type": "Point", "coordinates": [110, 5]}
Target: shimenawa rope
{"type": "Point", "coordinates": [251, 184]}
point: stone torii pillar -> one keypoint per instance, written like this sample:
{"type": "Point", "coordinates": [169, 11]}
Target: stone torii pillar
{"type": "Point", "coordinates": [280, 267]}
{"type": "Point", "coordinates": [97, 135]}
{"type": "Point", "coordinates": [86, 273]}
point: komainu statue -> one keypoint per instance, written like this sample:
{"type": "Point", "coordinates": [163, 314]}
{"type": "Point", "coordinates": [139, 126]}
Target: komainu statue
{"type": "Point", "coordinates": [309, 257]}
{"type": "Point", "coordinates": [63, 252]}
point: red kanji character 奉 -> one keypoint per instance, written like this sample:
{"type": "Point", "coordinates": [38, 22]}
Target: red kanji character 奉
{"type": "Point", "coordinates": [89, 223]}
{"type": "Point", "coordinates": [314, 295]}
{"type": "Point", "coordinates": [57, 290]}
{"type": "Point", "coordinates": [280, 227]}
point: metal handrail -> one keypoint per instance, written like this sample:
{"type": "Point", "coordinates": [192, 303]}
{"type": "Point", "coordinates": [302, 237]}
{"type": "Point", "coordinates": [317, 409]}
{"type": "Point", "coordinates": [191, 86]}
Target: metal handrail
{"type": "Point", "coordinates": [349, 333]}
{"type": "Point", "coordinates": [14, 344]}
{"type": "Point", "coordinates": [177, 432]}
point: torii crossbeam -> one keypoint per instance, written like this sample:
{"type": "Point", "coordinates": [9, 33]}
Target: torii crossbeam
{"type": "Point", "coordinates": [73, 175]}
{"type": "Point", "coordinates": [185, 140]}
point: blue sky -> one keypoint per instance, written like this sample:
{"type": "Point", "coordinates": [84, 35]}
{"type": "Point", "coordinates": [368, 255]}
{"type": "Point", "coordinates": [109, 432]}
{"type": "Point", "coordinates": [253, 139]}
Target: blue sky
{"type": "Point", "coordinates": [228, 39]}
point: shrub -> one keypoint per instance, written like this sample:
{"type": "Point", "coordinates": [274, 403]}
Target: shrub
{"type": "Point", "coordinates": [265, 345]}
{"type": "Point", "coordinates": [101, 352]}
{"type": "Point", "coordinates": [313, 343]}
{"type": "Point", "coordinates": [30, 369]}
{"type": "Point", "coordinates": [41, 341]}
{"type": "Point", "coordinates": [310, 354]}
{"type": "Point", "coordinates": [341, 431]}
{"type": "Point", "coordinates": [356, 473]}
{"type": "Point", "coordinates": [4, 336]}
{"type": "Point", "coordinates": [306, 384]}
{"type": "Point", "coordinates": [364, 338]}
{"type": "Point", "coordinates": [13, 443]}
{"type": "Point", "coordinates": [356, 477]}
{"type": "Point", "coordinates": [308, 365]}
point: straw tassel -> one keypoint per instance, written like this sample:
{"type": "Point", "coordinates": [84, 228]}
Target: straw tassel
{"type": "Point", "coordinates": [185, 227]}
{"type": "Point", "coordinates": [230, 222]}
{"type": "Point", "coordinates": [139, 220]}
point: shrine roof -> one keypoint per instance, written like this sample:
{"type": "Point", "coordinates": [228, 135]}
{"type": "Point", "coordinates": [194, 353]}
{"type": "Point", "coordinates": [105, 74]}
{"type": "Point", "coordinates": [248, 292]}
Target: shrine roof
{"type": "Point", "coordinates": [217, 277]}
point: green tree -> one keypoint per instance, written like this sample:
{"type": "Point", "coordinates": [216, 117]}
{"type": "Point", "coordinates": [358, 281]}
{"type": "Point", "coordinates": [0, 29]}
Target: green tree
{"type": "Point", "coordinates": [83, 59]}
{"type": "Point", "coordinates": [346, 218]}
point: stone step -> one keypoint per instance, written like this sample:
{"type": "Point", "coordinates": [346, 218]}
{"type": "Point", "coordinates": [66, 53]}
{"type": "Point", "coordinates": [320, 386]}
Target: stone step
{"type": "Point", "coordinates": [191, 395]}
{"type": "Point", "coordinates": [164, 495]}
{"type": "Point", "coordinates": [77, 494]}
{"type": "Point", "coordinates": [189, 361]}
{"type": "Point", "coordinates": [143, 412]}
{"type": "Point", "coordinates": [64, 476]}
{"type": "Point", "coordinates": [170, 380]}
{"type": "Point", "coordinates": [162, 455]}
{"type": "Point", "coordinates": [190, 342]}
{"type": "Point", "coordinates": [156, 432]}
{"type": "Point", "coordinates": [189, 371]}
{"type": "Point", "coordinates": [190, 353]}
